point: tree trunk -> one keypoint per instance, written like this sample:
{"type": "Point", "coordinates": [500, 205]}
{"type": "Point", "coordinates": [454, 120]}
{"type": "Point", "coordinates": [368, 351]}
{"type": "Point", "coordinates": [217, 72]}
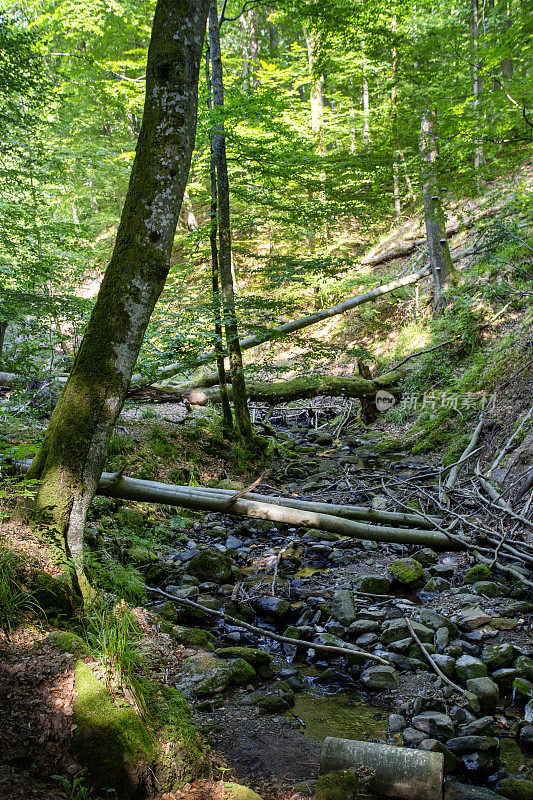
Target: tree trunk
{"type": "Point", "coordinates": [227, 416]}
{"type": "Point", "coordinates": [366, 104]}
{"type": "Point", "coordinates": [253, 27]}
{"type": "Point", "coordinates": [439, 251]}
{"type": "Point", "coordinates": [73, 453]}
{"type": "Point", "coordinates": [304, 388]}
{"type": "Point", "coordinates": [3, 328]}
{"type": "Point", "coordinates": [396, 147]}
{"type": "Point", "coordinates": [240, 402]}
{"type": "Point", "coordinates": [317, 94]}
{"type": "Point", "coordinates": [479, 159]}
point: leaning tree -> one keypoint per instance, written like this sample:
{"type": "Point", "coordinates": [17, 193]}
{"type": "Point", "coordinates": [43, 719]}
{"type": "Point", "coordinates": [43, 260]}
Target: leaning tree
{"type": "Point", "coordinates": [73, 453]}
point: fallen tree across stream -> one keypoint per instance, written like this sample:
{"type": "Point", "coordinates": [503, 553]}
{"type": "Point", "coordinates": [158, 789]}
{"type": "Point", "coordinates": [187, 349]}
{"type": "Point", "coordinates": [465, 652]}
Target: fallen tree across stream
{"type": "Point", "coordinates": [311, 319]}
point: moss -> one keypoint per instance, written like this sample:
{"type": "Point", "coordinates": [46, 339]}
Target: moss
{"type": "Point", "coordinates": [479, 572]}
{"type": "Point", "coordinates": [191, 637]}
{"type": "Point", "coordinates": [254, 657]}
{"type": "Point", "coordinates": [110, 740]}
{"type": "Point", "coordinates": [407, 571]}
{"type": "Point", "coordinates": [54, 594]}
{"type": "Point", "coordinates": [517, 789]}
{"type": "Point", "coordinates": [238, 792]}
{"type": "Point", "coordinates": [341, 785]}
{"type": "Point", "coordinates": [374, 584]}
{"type": "Point", "coordinates": [68, 642]}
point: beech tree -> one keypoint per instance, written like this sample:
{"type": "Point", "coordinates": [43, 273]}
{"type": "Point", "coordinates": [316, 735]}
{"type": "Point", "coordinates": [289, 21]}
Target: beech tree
{"type": "Point", "coordinates": [73, 453]}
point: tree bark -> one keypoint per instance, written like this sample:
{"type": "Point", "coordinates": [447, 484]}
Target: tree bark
{"type": "Point", "coordinates": [396, 147]}
{"type": "Point", "coordinates": [3, 328]}
{"type": "Point", "coordinates": [479, 159]}
{"type": "Point", "coordinates": [73, 453]}
{"type": "Point", "coordinates": [240, 402]}
{"type": "Point", "coordinates": [439, 251]}
{"type": "Point", "coordinates": [227, 416]}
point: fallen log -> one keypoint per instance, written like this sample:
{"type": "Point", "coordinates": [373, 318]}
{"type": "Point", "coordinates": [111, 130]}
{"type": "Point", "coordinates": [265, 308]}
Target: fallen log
{"type": "Point", "coordinates": [325, 313]}
{"type": "Point", "coordinates": [395, 771]}
{"type": "Point", "coordinates": [301, 388]}
{"type": "Point", "coordinates": [323, 648]}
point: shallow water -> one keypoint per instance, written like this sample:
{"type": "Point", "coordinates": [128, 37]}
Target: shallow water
{"type": "Point", "coordinates": [344, 714]}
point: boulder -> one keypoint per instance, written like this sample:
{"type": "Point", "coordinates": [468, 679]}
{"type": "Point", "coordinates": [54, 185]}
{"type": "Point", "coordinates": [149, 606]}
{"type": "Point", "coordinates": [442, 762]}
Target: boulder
{"type": "Point", "coordinates": [471, 618]}
{"type": "Point", "coordinates": [498, 656]}
{"type": "Point", "coordinates": [272, 606]}
{"type": "Point", "coordinates": [486, 691]}
{"type": "Point", "coordinates": [211, 565]}
{"type": "Point", "coordinates": [397, 629]}
{"type": "Point", "coordinates": [432, 619]}
{"type": "Point", "coordinates": [343, 607]}
{"type": "Point", "coordinates": [374, 584]}
{"type": "Point", "coordinates": [522, 689]}
{"type": "Point", "coordinates": [407, 571]}
{"type": "Point", "coordinates": [204, 675]}
{"type": "Point", "coordinates": [480, 572]}
{"type": "Point", "coordinates": [435, 724]}
{"type": "Point", "coordinates": [380, 678]}
{"type": "Point", "coordinates": [468, 667]}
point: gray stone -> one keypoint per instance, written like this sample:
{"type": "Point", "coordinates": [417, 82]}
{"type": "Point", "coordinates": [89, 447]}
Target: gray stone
{"type": "Point", "coordinates": [233, 542]}
{"type": "Point", "coordinates": [454, 790]}
{"type": "Point", "coordinates": [188, 592]}
{"type": "Point", "coordinates": [486, 691]}
{"type": "Point", "coordinates": [203, 674]}
{"type": "Point", "coordinates": [472, 617]}
{"type": "Point", "coordinates": [498, 656]}
{"type": "Point", "coordinates": [407, 571]}
{"type": "Point", "coordinates": [397, 629]}
{"type": "Point", "coordinates": [426, 556]}
{"type": "Point", "coordinates": [436, 584]}
{"type": "Point", "coordinates": [446, 663]}
{"type": "Point", "coordinates": [468, 667]}
{"type": "Point", "coordinates": [413, 738]}
{"type": "Point", "coordinates": [343, 607]}
{"type": "Point", "coordinates": [273, 606]}
{"type": "Point", "coordinates": [396, 723]}
{"type": "Point", "coordinates": [442, 639]}
{"type": "Point", "coordinates": [434, 746]}
{"type": "Point", "coordinates": [489, 588]}
{"type": "Point", "coordinates": [380, 678]}
{"type": "Point", "coordinates": [505, 677]}
{"type": "Point", "coordinates": [478, 727]}
{"type": "Point", "coordinates": [522, 689]}
{"type": "Point", "coordinates": [473, 744]}
{"type": "Point", "coordinates": [528, 711]}
{"type": "Point", "coordinates": [526, 737]}
{"type": "Point", "coordinates": [367, 640]}
{"type": "Point", "coordinates": [361, 626]}
{"type": "Point", "coordinates": [435, 620]}
{"type": "Point", "coordinates": [525, 665]}
{"type": "Point", "coordinates": [435, 724]}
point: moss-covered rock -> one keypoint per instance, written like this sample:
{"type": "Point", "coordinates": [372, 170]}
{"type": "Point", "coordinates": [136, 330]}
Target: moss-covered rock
{"type": "Point", "coordinates": [53, 594]}
{"type": "Point", "coordinates": [238, 792]}
{"type": "Point", "coordinates": [204, 675]}
{"type": "Point", "coordinates": [517, 789]}
{"type": "Point", "coordinates": [436, 585]}
{"type": "Point", "coordinates": [254, 657]}
{"type": "Point", "coordinates": [407, 571]}
{"type": "Point", "coordinates": [68, 642]}
{"type": "Point", "coordinates": [341, 785]}
{"type": "Point", "coordinates": [374, 584]}
{"type": "Point", "coordinates": [479, 572]}
{"type": "Point", "coordinates": [110, 740]}
{"type": "Point", "coordinates": [211, 565]}
{"type": "Point", "coordinates": [191, 637]}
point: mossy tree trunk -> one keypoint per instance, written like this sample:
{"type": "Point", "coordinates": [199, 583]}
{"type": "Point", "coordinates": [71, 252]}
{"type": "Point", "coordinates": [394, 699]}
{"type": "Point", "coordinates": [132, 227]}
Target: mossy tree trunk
{"type": "Point", "coordinates": [240, 400]}
{"type": "Point", "coordinates": [73, 453]}
{"type": "Point", "coordinates": [440, 258]}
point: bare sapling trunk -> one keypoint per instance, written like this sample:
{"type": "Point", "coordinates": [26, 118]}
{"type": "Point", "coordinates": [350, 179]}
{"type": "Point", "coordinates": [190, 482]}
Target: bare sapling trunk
{"type": "Point", "coordinates": [396, 150]}
{"type": "Point", "coordinates": [240, 400]}
{"type": "Point", "coordinates": [440, 258]}
{"type": "Point", "coordinates": [3, 328]}
{"type": "Point", "coordinates": [227, 416]}
{"type": "Point", "coordinates": [73, 453]}
{"type": "Point", "coordinates": [479, 158]}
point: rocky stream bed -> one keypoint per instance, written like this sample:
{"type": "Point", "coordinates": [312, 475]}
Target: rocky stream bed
{"type": "Point", "coordinates": [267, 706]}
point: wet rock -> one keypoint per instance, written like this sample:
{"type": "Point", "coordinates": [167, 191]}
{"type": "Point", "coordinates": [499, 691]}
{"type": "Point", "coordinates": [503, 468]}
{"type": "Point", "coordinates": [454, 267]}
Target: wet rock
{"type": "Point", "coordinates": [407, 571]}
{"type": "Point", "coordinates": [528, 711]}
{"type": "Point", "coordinates": [272, 606]}
{"type": "Point", "coordinates": [522, 689]}
{"type": "Point", "coordinates": [505, 677]}
{"type": "Point", "coordinates": [435, 620]}
{"type": "Point", "coordinates": [471, 618]}
{"type": "Point", "coordinates": [204, 675]}
{"type": "Point", "coordinates": [374, 584]}
{"type": "Point", "coordinates": [343, 607]}
{"type": "Point", "coordinates": [498, 656]}
{"type": "Point", "coordinates": [486, 691]}
{"type": "Point", "coordinates": [380, 678]}
{"type": "Point", "coordinates": [525, 665]}
{"type": "Point", "coordinates": [413, 738]}
{"type": "Point", "coordinates": [517, 789]}
{"type": "Point", "coordinates": [276, 698]}
{"type": "Point", "coordinates": [211, 565]}
{"type": "Point", "coordinates": [468, 667]}
{"type": "Point", "coordinates": [435, 724]}
{"type": "Point", "coordinates": [434, 746]}
{"type": "Point", "coordinates": [526, 737]}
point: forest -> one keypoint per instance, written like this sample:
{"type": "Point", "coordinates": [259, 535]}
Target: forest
{"type": "Point", "coordinates": [266, 400]}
